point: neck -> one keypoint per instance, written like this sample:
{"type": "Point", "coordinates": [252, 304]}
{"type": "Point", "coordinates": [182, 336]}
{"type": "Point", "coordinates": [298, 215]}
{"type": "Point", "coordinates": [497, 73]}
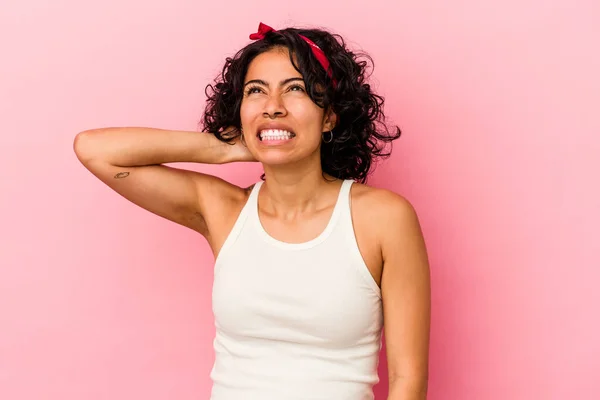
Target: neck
{"type": "Point", "coordinates": [293, 188]}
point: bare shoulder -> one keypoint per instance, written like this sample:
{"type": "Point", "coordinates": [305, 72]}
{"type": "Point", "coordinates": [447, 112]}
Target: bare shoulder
{"type": "Point", "coordinates": [381, 205]}
{"type": "Point", "coordinates": [383, 221]}
{"type": "Point", "coordinates": [388, 217]}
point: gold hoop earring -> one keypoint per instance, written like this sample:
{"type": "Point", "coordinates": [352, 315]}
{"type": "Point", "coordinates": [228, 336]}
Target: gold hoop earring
{"type": "Point", "coordinates": [330, 138]}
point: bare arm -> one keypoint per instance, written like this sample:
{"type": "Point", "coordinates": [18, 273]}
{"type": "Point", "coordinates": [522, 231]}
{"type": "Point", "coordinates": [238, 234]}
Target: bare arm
{"type": "Point", "coordinates": [406, 300]}
{"type": "Point", "coordinates": [129, 161]}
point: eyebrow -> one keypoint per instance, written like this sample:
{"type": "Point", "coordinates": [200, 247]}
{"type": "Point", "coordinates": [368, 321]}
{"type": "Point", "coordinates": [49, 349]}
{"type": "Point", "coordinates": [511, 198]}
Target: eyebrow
{"type": "Point", "coordinates": [283, 82]}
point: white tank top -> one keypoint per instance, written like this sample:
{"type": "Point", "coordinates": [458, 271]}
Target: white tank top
{"type": "Point", "coordinates": [295, 321]}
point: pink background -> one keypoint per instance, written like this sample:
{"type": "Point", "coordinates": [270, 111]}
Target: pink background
{"type": "Point", "coordinates": [499, 103]}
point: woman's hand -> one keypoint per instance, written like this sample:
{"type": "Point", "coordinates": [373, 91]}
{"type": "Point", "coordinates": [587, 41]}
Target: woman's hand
{"type": "Point", "coordinates": [236, 151]}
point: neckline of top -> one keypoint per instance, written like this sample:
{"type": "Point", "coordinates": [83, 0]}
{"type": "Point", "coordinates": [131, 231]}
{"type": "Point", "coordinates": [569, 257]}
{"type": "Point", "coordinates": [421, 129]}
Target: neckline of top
{"type": "Point", "coordinates": [343, 192]}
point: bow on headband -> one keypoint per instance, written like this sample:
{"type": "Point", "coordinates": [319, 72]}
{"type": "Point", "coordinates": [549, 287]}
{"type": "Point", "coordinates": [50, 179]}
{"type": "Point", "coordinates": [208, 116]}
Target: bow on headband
{"type": "Point", "coordinates": [316, 50]}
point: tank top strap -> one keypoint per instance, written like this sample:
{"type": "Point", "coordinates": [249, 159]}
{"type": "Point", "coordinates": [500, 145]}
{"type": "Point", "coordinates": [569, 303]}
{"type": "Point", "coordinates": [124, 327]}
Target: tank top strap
{"type": "Point", "coordinates": [253, 198]}
{"type": "Point", "coordinates": [252, 203]}
{"type": "Point", "coordinates": [345, 189]}
{"type": "Point", "coordinates": [345, 198]}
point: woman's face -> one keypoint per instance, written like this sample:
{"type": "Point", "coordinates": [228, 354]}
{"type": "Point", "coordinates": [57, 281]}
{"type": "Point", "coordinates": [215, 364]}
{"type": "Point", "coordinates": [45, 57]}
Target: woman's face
{"type": "Point", "coordinates": [281, 124]}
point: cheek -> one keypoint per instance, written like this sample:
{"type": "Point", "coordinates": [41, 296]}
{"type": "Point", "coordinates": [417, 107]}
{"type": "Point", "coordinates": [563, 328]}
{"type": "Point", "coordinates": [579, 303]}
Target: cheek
{"type": "Point", "coordinates": [249, 109]}
{"type": "Point", "coordinates": [305, 112]}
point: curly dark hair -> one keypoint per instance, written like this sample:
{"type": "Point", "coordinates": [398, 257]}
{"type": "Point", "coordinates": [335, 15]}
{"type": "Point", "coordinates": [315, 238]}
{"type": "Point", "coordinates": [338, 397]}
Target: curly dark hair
{"type": "Point", "coordinates": [360, 135]}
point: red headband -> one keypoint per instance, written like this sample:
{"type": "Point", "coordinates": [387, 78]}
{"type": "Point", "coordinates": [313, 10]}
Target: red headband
{"type": "Point", "coordinates": [319, 54]}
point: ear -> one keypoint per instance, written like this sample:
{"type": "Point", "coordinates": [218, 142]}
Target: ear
{"type": "Point", "coordinates": [329, 120]}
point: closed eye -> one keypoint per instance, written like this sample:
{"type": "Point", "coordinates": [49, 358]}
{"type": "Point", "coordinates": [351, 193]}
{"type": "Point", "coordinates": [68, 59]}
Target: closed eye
{"type": "Point", "coordinates": [257, 89]}
{"type": "Point", "coordinates": [253, 89]}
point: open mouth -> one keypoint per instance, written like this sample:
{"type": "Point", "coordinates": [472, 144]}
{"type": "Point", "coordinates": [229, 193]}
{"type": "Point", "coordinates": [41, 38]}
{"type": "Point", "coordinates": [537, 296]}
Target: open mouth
{"type": "Point", "coordinates": [275, 135]}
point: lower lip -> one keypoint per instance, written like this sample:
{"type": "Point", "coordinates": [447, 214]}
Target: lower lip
{"type": "Point", "coordinates": [274, 142]}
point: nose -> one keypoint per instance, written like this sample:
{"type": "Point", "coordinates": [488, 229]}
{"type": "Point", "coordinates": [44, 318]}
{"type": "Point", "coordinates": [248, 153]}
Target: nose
{"type": "Point", "coordinates": [274, 107]}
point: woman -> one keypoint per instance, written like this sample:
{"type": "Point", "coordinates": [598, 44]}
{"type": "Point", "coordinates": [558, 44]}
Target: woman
{"type": "Point", "coordinates": [309, 264]}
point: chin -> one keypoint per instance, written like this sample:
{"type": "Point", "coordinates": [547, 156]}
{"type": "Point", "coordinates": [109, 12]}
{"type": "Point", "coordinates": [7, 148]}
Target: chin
{"type": "Point", "coordinates": [282, 155]}
{"type": "Point", "coordinates": [274, 157]}
{"type": "Point", "coordinates": [276, 160]}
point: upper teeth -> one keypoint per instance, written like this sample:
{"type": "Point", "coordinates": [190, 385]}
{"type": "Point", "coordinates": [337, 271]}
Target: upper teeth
{"type": "Point", "coordinates": [275, 134]}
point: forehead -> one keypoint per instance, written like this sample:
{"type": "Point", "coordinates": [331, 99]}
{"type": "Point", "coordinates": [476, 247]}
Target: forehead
{"type": "Point", "coordinates": [272, 65]}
